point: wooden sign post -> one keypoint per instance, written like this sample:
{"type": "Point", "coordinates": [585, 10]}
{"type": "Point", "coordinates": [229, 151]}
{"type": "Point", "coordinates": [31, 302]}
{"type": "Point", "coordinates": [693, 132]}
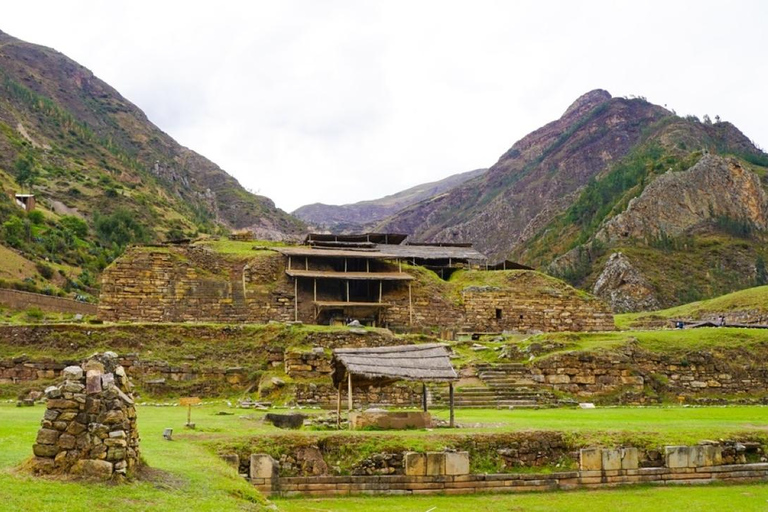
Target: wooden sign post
{"type": "Point", "coordinates": [189, 401]}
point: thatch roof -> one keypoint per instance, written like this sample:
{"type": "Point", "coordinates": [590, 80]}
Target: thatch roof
{"type": "Point", "coordinates": [424, 363]}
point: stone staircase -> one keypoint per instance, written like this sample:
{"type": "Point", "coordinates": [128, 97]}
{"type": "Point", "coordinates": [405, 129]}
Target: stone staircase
{"type": "Point", "coordinates": [507, 385]}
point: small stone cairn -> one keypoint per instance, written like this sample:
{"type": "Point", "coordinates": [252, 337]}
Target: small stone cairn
{"type": "Point", "coordinates": [89, 427]}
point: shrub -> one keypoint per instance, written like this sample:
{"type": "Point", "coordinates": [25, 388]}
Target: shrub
{"type": "Point", "coordinates": [36, 217]}
{"type": "Point", "coordinates": [44, 270]}
{"type": "Point", "coordinates": [76, 225]}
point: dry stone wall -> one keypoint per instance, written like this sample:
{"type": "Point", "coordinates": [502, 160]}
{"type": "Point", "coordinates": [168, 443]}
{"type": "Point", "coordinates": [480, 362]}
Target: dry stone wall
{"type": "Point", "coordinates": [89, 426]}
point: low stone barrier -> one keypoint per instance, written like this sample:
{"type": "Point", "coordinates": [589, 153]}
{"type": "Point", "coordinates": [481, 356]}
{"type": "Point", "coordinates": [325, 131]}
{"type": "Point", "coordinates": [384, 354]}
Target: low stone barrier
{"type": "Point", "coordinates": [448, 473]}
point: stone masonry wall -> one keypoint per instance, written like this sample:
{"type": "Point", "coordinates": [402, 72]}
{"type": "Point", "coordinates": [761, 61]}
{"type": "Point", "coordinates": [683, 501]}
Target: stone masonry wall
{"type": "Point", "coordinates": [89, 427]}
{"type": "Point", "coordinates": [194, 284]}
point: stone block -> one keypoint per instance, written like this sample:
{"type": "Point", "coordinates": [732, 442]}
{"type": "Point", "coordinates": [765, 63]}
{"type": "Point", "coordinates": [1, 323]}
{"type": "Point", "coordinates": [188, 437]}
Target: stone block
{"type": "Point", "coordinates": [415, 464]}
{"type": "Point", "coordinates": [435, 463]}
{"type": "Point", "coordinates": [72, 373]}
{"type": "Point", "coordinates": [93, 469]}
{"type": "Point", "coordinates": [629, 458]}
{"type": "Point", "coordinates": [45, 450]}
{"type": "Point", "coordinates": [590, 459]}
{"type": "Point", "coordinates": [677, 456]}
{"type": "Point", "coordinates": [706, 455]}
{"type": "Point", "coordinates": [611, 459]}
{"type": "Point", "coordinates": [457, 463]}
{"type": "Point", "coordinates": [47, 436]}
{"type": "Point", "coordinates": [263, 466]}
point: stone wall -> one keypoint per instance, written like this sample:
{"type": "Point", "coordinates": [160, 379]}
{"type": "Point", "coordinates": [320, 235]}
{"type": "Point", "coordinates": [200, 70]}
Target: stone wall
{"type": "Point", "coordinates": [192, 283]}
{"type": "Point", "coordinates": [17, 299]}
{"type": "Point", "coordinates": [635, 370]}
{"type": "Point", "coordinates": [395, 395]}
{"type": "Point", "coordinates": [448, 473]}
{"type": "Point", "coordinates": [89, 426]}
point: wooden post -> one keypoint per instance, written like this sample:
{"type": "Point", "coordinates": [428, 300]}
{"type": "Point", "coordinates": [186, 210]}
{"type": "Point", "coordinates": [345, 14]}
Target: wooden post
{"type": "Point", "coordinates": [295, 299]}
{"type": "Point", "coordinates": [381, 290]}
{"type": "Point", "coordinates": [424, 396]}
{"type": "Point", "coordinates": [347, 290]}
{"type": "Point", "coordinates": [315, 290]}
{"type": "Point", "coordinates": [410, 305]}
{"type": "Point", "coordinates": [450, 400]}
{"type": "Point", "coordinates": [306, 263]}
{"type": "Point", "coordinates": [349, 392]}
{"type": "Point", "coordinates": [338, 407]}
{"type": "Point", "coordinates": [289, 263]}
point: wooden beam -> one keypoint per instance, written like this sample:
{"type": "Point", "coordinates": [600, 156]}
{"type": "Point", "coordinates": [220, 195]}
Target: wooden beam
{"type": "Point", "coordinates": [338, 407]}
{"type": "Point", "coordinates": [450, 400]}
{"type": "Point", "coordinates": [424, 396]}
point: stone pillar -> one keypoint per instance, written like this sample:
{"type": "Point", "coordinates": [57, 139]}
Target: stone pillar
{"type": "Point", "coordinates": [264, 473]}
{"type": "Point", "coordinates": [89, 427]}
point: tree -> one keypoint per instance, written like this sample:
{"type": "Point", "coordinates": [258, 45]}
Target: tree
{"type": "Point", "coordinates": [26, 171]}
{"type": "Point", "coordinates": [120, 228]}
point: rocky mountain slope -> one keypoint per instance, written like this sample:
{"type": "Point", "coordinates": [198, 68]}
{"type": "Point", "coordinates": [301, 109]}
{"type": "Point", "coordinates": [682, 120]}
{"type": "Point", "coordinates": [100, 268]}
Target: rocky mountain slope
{"type": "Point", "coordinates": [360, 216]}
{"type": "Point", "coordinates": [554, 201]}
{"type": "Point", "coordinates": [102, 173]}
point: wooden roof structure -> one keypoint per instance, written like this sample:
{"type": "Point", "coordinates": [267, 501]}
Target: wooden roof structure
{"type": "Point", "coordinates": [423, 363]}
{"type": "Point", "coordinates": [387, 251]}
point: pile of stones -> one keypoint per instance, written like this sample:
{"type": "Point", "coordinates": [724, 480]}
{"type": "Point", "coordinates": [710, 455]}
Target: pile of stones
{"type": "Point", "coordinates": [380, 464]}
{"type": "Point", "coordinates": [89, 427]}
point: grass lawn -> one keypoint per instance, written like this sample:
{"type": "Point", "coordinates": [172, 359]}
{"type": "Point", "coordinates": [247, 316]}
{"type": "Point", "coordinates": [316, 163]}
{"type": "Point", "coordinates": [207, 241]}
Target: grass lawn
{"type": "Point", "coordinates": [189, 476]}
{"type": "Point", "coordinates": [719, 498]}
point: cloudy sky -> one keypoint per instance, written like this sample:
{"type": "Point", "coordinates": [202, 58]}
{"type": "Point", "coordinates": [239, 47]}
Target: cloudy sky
{"type": "Point", "coordinates": [339, 101]}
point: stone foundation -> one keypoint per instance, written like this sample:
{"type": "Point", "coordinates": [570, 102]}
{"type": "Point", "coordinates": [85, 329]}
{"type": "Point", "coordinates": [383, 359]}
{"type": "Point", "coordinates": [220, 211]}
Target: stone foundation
{"type": "Point", "coordinates": [448, 473]}
{"type": "Point", "coordinates": [390, 420]}
{"type": "Point", "coordinates": [89, 427]}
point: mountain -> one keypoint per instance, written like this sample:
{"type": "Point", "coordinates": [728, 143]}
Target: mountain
{"type": "Point", "coordinates": [569, 196]}
{"type": "Point", "coordinates": [95, 162]}
{"type": "Point", "coordinates": [357, 217]}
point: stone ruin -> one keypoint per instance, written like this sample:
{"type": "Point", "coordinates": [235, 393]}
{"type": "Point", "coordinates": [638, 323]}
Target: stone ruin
{"type": "Point", "coordinates": [89, 427]}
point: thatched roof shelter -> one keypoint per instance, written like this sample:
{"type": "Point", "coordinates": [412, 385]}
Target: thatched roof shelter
{"type": "Point", "coordinates": [423, 363]}
{"type": "Point", "coordinates": [381, 365]}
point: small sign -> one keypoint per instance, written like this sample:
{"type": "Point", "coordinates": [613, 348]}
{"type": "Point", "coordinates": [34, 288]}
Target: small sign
{"type": "Point", "coordinates": [189, 400]}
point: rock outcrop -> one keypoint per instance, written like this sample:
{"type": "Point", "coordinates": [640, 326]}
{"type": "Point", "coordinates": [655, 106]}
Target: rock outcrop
{"type": "Point", "coordinates": [674, 203]}
{"type": "Point", "coordinates": [89, 428]}
{"type": "Point", "coordinates": [623, 287]}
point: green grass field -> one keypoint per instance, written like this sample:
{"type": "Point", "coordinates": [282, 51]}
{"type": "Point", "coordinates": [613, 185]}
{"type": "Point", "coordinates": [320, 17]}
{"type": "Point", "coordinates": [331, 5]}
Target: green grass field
{"type": "Point", "coordinates": [187, 475]}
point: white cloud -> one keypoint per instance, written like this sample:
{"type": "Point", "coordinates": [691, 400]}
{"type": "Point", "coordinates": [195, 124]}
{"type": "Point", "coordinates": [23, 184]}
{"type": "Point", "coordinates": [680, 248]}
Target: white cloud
{"type": "Point", "coordinates": [338, 101]}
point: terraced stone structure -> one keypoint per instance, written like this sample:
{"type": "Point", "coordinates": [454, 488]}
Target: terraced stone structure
{"type": "Point", "coordinates": [89, 426]}
{"type": "Point", "coordinates": [387, 288]}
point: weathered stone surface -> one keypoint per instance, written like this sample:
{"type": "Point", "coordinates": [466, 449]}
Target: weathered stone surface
{"type": "Point", "coordinates": [60, 403]}
{"type": "Point", "coordinates": [47, 436]}
{"type": "Point", "coordinates": [291, 421]}
{"type": "Point", "coordinates": [611, 459]}
{"type": "Point", "coordinates": [624, 287]}
{"type": "Point", "coordinates": [72, 373]}
{"type": "Point", "coordinates": [263, 466]}
{"type": "Point", "coordinates": [67, 441]}
{"type": "Point", "coordinates": [706, 455]}
{"type": "Point", "coordinates": [398, 420]}
{"type": "Point", "coordinates": [93, 469]}
{"type": "Point", "coordinates": [45, 450]}
{"type": "Point", "coordinates": [93, 381]}
{"type": "Point", "coordinates": [591, 459]}
{"type": "Point", "coordinates": [457, 463]}
{"type": "Point", "coordinates": [435, 463]}
{"type": "Point", "coordinates": [677, 456]}
{"type": "Point", "coordinates": [630, 458]}
{"type": "Point", "coordinates": [415, 464]}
